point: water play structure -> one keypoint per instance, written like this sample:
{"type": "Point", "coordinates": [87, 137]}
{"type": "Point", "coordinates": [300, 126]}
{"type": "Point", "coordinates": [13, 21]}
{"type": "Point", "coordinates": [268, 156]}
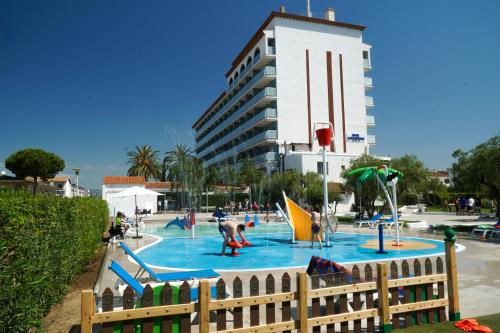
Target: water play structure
{"type": "Point", "coordinates": [299, 220]}
{"type": "Point", "coordinates": [386, 177]}
{"type": "Point", "coordinates": [324, 135]}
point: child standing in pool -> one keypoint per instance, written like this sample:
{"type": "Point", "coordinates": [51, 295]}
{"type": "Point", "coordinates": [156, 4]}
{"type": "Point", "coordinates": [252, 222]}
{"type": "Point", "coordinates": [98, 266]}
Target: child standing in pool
{"type": "Point", "coordinates": [316, 227]}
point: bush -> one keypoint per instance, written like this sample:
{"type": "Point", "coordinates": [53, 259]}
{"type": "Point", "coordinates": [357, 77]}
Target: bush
{"type": "Point", "coordinates": [45, 242]}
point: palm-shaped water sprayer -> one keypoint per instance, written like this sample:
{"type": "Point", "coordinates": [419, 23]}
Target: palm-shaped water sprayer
{"type": "Point", "coordinates": [386, 177]}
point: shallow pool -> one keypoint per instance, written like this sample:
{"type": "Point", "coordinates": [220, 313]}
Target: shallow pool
{"type": "Point", "coordinates": [271, 249]}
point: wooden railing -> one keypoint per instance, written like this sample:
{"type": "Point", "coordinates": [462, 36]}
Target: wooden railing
{"type": "Point", "coordinates": [403, 299]}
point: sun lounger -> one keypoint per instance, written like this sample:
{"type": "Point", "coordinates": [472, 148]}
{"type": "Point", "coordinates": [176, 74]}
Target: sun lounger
{"type": "Point", "coordinates": [139, 288]}
{"type": "Point", "coordinates": [483, 230]}
{"type": "Point", "coordinates": [371, 222]}
{"type": "Point", "coordinates": [186, 275]}
{"type": "Point", "coordinates": [389, 222]}
{"type": "Point", "coordinates": [495, 233]}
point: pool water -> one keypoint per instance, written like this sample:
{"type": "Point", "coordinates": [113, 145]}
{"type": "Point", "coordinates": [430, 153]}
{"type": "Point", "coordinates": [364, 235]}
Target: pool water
{"type": "Point", "coordinates": [271, 249]}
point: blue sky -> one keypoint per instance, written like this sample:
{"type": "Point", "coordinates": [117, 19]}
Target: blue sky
{"type": "Point", "coordinates": [90, 80]}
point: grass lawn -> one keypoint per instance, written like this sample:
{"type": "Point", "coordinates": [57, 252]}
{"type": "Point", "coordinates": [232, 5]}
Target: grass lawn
{"type": "Point", "coordinates": [492, 321]}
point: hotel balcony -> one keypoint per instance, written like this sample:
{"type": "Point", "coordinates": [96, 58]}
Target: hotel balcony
{"type": "Point", "coordinates": [262, 78]}
{"type": "Point", "coordinates": [367, 66]}
{"type": "Point", "coordinates": [370, 120]}
{"type": "Point", "coordinates": [261, 99]}
{"type": "Point", "coordinates": [368, 83]}
{"type": "Point", "coordinates": [258, 63]}
{"type": "Point", "coordinates": [266, 157]}
{"type": "Point", "coordinates": [263, 117]}
{"type": "Point", "coordinates": [369, 102]}
{"type": "Point", "coordinates": [263, 137]}
{"type": "Point", "coordinates": [370, 139]}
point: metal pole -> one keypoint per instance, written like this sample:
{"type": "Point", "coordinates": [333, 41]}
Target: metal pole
{"type": "Point", "coordinates": [136, 223]}
{"type": "Point", "coordinates": [360, 210]}
{"type": "Point", "coordinates": [395, 211]}
{"type": "Point", "coordinates": [325, 198]}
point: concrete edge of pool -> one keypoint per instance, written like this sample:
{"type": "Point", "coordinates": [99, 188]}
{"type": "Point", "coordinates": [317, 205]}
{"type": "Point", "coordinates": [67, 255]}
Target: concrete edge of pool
{"type": "Point", "coordinates": [459, 248]}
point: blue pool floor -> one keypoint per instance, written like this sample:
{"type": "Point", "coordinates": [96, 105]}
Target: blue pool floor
{"type": "Point", "coordinates": [270, 250]}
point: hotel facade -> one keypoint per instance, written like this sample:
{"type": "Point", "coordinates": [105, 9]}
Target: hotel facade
{"type": "Point", "coordinates": [295, 71]}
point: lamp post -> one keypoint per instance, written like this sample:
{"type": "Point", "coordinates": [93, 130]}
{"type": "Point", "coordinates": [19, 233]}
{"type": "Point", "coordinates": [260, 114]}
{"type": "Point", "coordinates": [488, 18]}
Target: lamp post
{"type": "Point", "coordinates": [77, 172]}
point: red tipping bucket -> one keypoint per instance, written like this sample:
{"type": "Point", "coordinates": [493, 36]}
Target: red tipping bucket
{"type": "Point", "coordinates": [324, 136]}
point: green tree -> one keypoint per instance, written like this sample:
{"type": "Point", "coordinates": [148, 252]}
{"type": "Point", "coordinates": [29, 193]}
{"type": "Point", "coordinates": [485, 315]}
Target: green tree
{"type": "Point", "coordinates": [35, 163]}
{"type": "Point", "coordinates": [313, 190]}
{"type": "Point", "coordinates": [290, 182]}
{"type": "Point", "coordinates": [177, 162]}
{"type": "Point", "coordinates": [434, 190]}
{"type": "Point", "coordinates": [415, 181]}
{"type": "Point", "coordinates": [368, 191]}
{"type": "Point", "coordinates": [195, 181]}
{"type": "Point", "coordinates": [144, 161]}
{"type": "Point", "coordinates": [251, 177]}
{"type": "Point", "coordinates": [479, 168]}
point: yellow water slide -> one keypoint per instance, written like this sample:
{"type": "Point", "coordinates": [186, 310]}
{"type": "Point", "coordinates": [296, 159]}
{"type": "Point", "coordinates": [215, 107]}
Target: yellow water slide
{"type": "Point", "coordinates": [300, 220]}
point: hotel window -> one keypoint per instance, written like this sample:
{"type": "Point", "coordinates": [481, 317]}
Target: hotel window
{"type": "Point", "coordinates": [320, 168]}
{"type": "Point", "coordinates": [249, 61]}
{"type": "Point", "coordinates": [365, 55]}
{"type": "Point", "coordinates": [257, 53]}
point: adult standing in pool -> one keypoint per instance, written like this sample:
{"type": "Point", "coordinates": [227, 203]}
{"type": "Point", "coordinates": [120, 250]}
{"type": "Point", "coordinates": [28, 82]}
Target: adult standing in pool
{"type": "Point", "coordinates": [230, 229]}
{"type": "Point", "coordinates": [316, 227]}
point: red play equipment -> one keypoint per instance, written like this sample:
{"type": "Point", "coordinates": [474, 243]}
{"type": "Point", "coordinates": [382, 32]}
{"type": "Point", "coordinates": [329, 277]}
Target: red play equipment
{"type": "Point", "coordinates": [324, 136]}
{"type": "Point", "coordinates": [471, 325]}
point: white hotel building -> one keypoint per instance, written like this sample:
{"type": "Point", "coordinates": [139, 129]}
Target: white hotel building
{"type": "Point", "coordinates": [294, 71]}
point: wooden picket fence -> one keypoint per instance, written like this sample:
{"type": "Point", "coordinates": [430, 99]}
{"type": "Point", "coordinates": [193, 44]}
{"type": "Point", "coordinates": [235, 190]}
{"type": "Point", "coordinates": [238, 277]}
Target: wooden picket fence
{"type": "Point", "coordinates": [336, 301]}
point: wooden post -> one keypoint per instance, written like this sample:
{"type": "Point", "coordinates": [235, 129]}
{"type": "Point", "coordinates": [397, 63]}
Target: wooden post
{"type": "Point", "coordinates": [370, 322]}
{"type": "Point", "coordinates": [87, 306]}
{"type": "Point", "coordinates": [254, 309]}
{"type": "Point", "coordinates": [185, 298]}
{"type": "Point", "coordinates": [203, 303]}
{"type": "Point", "coordinates": [356, 298]}
{"type": "Point", "coordinates": [451, 272]}
{"type": "Point", "coordinates": [302, 302]}
{"type": "Point", "coordinates": [167, 322]}
{"type": "Point", "coordinates": [286, 312]}
{"type": "Point", "coordinates": [394, 294]}
{"type": "Point", "coordinates": [221, 314]}
{"type": "Point", "coordinates": [270, 307]}
{"type": "Point", "coordinates": [383, 299]}
{"type": "Point", "coordinates": [237, 311]}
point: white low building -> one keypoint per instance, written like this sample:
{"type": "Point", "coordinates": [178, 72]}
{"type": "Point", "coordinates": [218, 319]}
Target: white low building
{"type": "Point", "coordinates": [112, 185]}
{"type": "Point", "coordinates": [294, 71]}
{"type": "Point", "coordinates": [63, 185]}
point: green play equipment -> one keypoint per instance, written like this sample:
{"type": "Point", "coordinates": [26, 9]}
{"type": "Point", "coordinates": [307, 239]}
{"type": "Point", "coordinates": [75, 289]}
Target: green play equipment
{"type": "Point", "coordinates": [386, 177]}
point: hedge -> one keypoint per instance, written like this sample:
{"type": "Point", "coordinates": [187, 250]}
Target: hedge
{"type": "Point", "coordinates": [45, 242]}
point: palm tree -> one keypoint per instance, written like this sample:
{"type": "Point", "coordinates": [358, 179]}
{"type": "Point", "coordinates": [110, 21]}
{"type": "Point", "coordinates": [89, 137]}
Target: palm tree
{"type": "Point", "coordinates": [177, 162]}
{"type": "Point", "coordinates": [144, 162]}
